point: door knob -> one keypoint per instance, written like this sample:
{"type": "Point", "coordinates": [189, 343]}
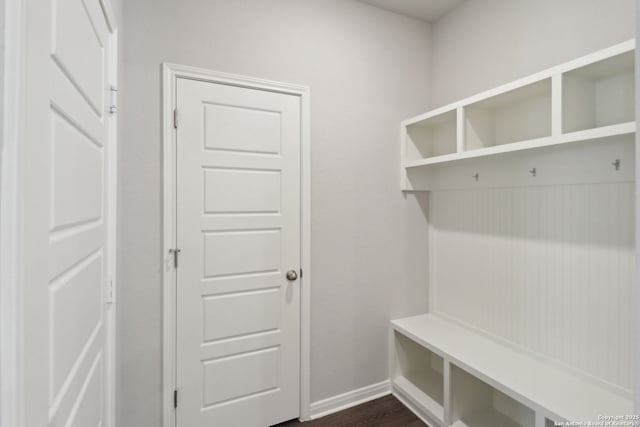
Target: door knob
{"type": "Point", "coordinates": [292, 275]}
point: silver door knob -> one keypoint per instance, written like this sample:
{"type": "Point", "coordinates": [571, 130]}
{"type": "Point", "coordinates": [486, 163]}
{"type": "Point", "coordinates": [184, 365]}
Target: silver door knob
{"type": "Point", "coordinates": [292, 275]}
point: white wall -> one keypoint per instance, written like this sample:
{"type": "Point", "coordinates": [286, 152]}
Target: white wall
{"type": "Point", "coordinates": [548, 268]}
{"type": "Point", "coordinates": [484, 43]}
{"type": "Point", "coordinates": [525, 270]}
{"type": "Point", "coordinates": [367, 70]}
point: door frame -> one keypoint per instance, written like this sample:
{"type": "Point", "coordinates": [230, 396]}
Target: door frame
{"type": "Point", "coordinates": [12, 98]}
{"type": "Point", "coordinates": [111, 212]}
{"type": "Point", "coordinates": [170, 74]}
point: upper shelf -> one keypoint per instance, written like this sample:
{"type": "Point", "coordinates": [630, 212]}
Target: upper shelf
{"type": "Point", "coordinates": [591, 98]}
{"type": "Point", "coordinates": [586, 135]}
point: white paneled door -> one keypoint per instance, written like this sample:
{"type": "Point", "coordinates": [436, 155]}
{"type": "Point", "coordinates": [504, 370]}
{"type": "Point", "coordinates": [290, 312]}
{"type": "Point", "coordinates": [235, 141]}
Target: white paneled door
{"type": "Point", "coordinates": [68, 222]}
{"type": "Point", "coordinates": [238, 231]}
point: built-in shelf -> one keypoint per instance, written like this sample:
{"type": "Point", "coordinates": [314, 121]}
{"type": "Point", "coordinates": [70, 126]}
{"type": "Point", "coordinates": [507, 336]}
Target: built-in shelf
{"type": "Point", "coordinates": [487, 383]}
{"type": "Point", "coordinates": [590, 99]}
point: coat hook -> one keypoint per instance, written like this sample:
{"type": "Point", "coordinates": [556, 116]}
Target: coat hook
{"type": "Point", "coordinates": [533, 172]}
{"type": "Point", "coordinates": [616, 164]}
{"type": "Point", "coordinates": [476, 176]}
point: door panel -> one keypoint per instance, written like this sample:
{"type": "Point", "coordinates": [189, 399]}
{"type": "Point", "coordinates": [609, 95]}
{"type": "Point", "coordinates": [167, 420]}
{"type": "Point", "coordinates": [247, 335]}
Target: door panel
{"type": "Point", "coordinates": [77, 173]}
{"type": "Point", "coordinates": [88, 407]}
{"type": "Point", "coordinates": [241, 252]}
{"type": "Point", "coordinates": [236, 314]}
{"type": "Point", "coordinates": [242, 191]}
{"type": "Point", "coordinates": [244, 375]}
{"type": "Point", "coordinates": [234, 128]}
{"type": "Point", "coordinates": [238, 222]}
{"type": "Point", "coordinates": [78, 47]}
{"type": "Point", "coordinates": [75, 316]}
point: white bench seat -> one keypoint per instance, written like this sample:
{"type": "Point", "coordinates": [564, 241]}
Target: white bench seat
{"type": "Point", "coordinates": [551, 392]}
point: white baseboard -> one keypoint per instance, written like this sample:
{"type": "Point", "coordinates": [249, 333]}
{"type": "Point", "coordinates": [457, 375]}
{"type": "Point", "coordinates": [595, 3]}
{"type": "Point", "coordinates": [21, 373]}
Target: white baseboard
{"type": "Point", "coordinates": [351, 398]}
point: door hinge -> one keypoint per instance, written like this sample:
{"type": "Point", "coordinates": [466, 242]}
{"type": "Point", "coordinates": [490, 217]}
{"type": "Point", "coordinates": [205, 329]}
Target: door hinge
{"type": "Point", "coordinates": [113, 107]}
{"type": "Point", "coordinates": [175, 118]}
{"type": "Point", "coordinates": [175, 399]}
{"type": "Point", "coordinates": [175, 252]}
{"type": "Point", "coordinates": [109, 291]}
{"type": "Point", "coordinates": [301, 273]}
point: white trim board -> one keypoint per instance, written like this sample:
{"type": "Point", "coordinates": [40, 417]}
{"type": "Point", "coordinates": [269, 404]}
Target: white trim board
{"type": "Point", "coordinates": [349, 399]}
{"type": "Point", "coordinates": [170, 74]}
{"type": "Point", "coordinates": [11, 166]}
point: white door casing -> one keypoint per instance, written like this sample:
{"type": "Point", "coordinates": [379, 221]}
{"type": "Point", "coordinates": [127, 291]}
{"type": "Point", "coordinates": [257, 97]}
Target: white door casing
{"type": "Point", "coordinates": [67, 255]}
{"type": "Point", "coordinates": [242, 181]}
{"type": "Point", "coordinates": [238, 231]}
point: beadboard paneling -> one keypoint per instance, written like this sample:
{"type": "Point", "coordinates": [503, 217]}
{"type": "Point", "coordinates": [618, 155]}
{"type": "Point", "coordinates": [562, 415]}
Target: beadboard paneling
{"type": "Point", "coordinates": [548, 268]}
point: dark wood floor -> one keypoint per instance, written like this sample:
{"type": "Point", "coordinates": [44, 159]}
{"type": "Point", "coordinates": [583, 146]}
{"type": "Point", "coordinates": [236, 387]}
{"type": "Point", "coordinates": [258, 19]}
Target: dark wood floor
{"type": "Point", "coordinates": [384, 412]}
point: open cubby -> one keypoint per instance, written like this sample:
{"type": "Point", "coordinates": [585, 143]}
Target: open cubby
{"type": "Point", "coordinates": [432, 137]}
{"type": "Point", "coordinates": [419, 373]}
{"type": "Point", "coordinates": [599, 94]}
{"type": "Point", "coordinates": [518, 115]}
{"type": "Point", "coordinates": [477, 404]}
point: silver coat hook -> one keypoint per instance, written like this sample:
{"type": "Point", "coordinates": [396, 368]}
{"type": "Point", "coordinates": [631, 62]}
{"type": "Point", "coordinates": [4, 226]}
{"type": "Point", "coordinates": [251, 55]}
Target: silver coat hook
{"type": "Point", "coordinates": [533, 172]}
{"type": "Point", "coordinates": [476, 176]}
{"type": "Point", "coordinates": [616, 164]}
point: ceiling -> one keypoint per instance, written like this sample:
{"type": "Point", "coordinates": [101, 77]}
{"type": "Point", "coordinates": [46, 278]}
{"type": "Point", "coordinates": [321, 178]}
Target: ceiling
{"type": "Point", "coordinates": [424, 10]}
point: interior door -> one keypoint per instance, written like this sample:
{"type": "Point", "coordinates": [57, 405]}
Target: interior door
{"type": "Point", "coordinates": [67, 182]}
{"type": "Point", "coordinates": [238, 231]}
